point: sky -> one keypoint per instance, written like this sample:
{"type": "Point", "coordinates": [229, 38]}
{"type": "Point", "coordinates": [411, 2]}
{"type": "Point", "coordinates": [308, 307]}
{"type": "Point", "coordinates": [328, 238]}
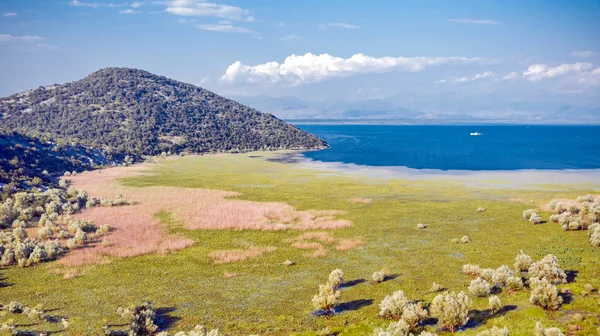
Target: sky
{"type": "Point", "coordinates": [535, 50]}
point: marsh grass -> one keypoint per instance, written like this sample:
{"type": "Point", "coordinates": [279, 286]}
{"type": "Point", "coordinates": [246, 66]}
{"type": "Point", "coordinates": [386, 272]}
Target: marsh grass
{"type": "Point", "coordinates": [275, 299]}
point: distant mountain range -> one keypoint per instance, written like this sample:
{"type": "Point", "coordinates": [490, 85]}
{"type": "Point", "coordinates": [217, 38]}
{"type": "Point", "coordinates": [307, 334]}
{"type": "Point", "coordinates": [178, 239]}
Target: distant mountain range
{"type": "Point", "coordinates": [424, 109]}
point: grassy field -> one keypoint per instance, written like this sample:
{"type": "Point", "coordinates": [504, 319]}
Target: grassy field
{"type": "Point", "coordinates": [261, 296]}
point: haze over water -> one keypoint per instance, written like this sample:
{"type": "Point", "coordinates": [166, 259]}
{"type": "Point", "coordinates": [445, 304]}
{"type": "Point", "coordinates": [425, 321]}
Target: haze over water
{"type": "Point", "coordinates": [453, 148]}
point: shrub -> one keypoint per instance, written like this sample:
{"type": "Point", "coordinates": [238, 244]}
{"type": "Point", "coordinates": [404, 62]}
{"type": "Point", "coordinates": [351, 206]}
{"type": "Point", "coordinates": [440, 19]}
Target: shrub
{"type": "Point", "coordinates": [451, 309]}
{"type": "Point", "coordinates": [399, 328]}
{"type": "Point", "coordinates": [436, 287]}
{"type": "Point", "coordinates": [495, 331]}
{"type": "Point", "coordinates": [535, 218]}
{"type": "Point", "coordinates": [514, 283]}
{"type": "Point", "coordinates": [71, 243]}
{"type": "Point", "coordinates": [486, 274]}
{"type": "Point", "coordinates": [200, 331]}
{"type": "Point", "coordinates": [19, 233]}
{"type": "Point", "coordinates": [421, 226]}
{"type": "Point", "coordinates": [545, 295]}
{"type": "Point", "coordinates": [141, 319]}
{"type": "Point", "coordinates": [336, 278]}
{"type": "Point", "coordinates": [465, 239]}
{"type": "Point", "coordinates": [527, 214]}
{"type": "Point", "coordinates": [501, 275]}
{"type": "Point", "coordinates": [588, 287]}
{"type": "Point", "coordinates": [541, 331]}
{"type": "Point", "coordinates": [413, 313]}
{"type": "Point", "coordinates": [495, 303]}
{"type": "Point", "coordinates": [549, 269]}
{"type": "Point", "coordinates": [393, 305]}
{"type": "Point", "coordinates": [44, 232]}
{"type": "Point", "coordinates": [455, 240]}
{"type": "Point", "coordinates": [595, 238]}
{"type": "Point", "coordinates": [378, 276]}
{"type": "Point", "coordinates": [593, 228]}
{"type": "Point", "coordinates": [471, 269]}
{"type": "Point", "coordinates": [553, 204]}
{"type": "Point", "coordinates": [327, 298]}
{"type": "Point", "coordinates": [554, 218]}
{"type": "Point", "coordinates": [15, 307]}
{"type": "Point", "coordinates": [480, 209]}
{"type": "Point", "coordinates": [480, 287]}
{"type": "Point", "coordinates": [80, 236]}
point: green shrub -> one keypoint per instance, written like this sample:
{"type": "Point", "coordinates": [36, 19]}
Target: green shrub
{"type": "Point", "coordinates": [336, 278]}
{"type": "Point", "coordinates": [541, 331]}
{"type": "Point", "coordinates": [548, 268]}
{"type": "Point", "coordinates": [480, 287]}
{"type": "Point", "coordinates": [471, 269]}
{"type": "Point", "coordinates": [378, 276]}
{"type": "Point", "coordinates": [451, 309]}
{"type": "Point", "coordinates": [327, 298]}
{"type": "Point", "coordinates": [393, 305]}
{"type": "Point", "coordinates": [528, 213]}
{"type": "Point", "coordinates": [514, 283]}
{"type": "Point", "coordinates": [494, 303]}
{"type": "Point", "coordinates": [544, 294]}
{"type": "Point", "coordinates": [501, 275]}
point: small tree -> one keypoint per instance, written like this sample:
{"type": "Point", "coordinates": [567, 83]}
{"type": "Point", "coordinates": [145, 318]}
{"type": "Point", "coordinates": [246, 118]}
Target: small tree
{"type": "Point", "coordinates": [501, 275]}
{"type": "Point", "coordinates": [495, 303]}
{"type": "Point", "coordinates": [480, 287]}
{"type": "Point", "coordinates": [451, 309]}
{"type": "Point", "coordinates": [393, 305]}
{"type": "Point", "coordinates": [514, 283]}
{"type": "Point", "coordinates": [549, 269]}
{"type": "Point", "coordinates": [327, 298]}
{"type": "Point", "coordinates": [336, 278]}
{"type": "Point", "coordinates": [541, 331]}
{"type": "Point", "coordinates": [527, 214]}
{"type": "Point", "coordinates": [545, 295]}
{"type": "Point", "coordinates": [378, 276]}
{"type": "Point", "coordinates": [523, 261]}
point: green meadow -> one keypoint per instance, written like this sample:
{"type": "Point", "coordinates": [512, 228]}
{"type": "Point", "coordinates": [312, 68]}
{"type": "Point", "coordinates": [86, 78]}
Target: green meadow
{"type": "Point", "coordinates": [267, 298]}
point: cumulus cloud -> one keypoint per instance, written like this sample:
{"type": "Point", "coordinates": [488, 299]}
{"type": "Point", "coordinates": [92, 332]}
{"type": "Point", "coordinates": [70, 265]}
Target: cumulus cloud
{"type": "Point", "coordinates": [290, 37]}
{"type": "Point", "coordinates": [225, 28]}
{"type": "Point", "coordinates": [9, 14]}
{"type": "Point", "coordinates": [538, 72]}
{"type": "Point", "coordinates": [338, 25]}
{"type": "Point", "coordinates": [585, 53]}
{"type": "Point", "coordinates": [137, 4]}
{"type": "Point", "coordinates": [299, 69]}
{"type": "Point", "coordinates": [479, 22]}
{"type": "Point", "coordinates": [78, 3]}
{"type": "Point", "coordinates": [202, 8]}
{"type": "Point", "coordinates": [25, 42]}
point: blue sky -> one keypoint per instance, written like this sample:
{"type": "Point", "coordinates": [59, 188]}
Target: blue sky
{"type": "Point", "coordinates": [504, 49]}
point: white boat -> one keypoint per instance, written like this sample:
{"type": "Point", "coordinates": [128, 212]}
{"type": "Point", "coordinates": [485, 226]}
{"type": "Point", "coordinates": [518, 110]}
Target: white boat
{"type": "Point", "coordinates": [475, 134]}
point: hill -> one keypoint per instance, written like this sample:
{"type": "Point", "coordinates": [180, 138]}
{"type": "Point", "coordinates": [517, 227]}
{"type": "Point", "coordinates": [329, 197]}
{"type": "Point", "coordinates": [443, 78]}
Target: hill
{"type": "Point", "coordinates": [125, 111]}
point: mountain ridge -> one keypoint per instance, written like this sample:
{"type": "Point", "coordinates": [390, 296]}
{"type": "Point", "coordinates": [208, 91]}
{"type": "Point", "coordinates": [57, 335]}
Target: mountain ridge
{"type": "Point", "coordinates": [125, 111]}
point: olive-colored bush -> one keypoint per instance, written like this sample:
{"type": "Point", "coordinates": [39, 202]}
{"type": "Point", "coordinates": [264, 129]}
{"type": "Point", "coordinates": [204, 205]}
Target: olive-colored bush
{"type": "Point", "coordinates": [451, 309]}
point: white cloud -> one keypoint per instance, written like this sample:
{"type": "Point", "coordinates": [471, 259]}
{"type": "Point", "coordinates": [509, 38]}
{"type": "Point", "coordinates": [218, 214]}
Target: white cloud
{"type": "Point", "coordinates": [9, 14]}
{"type": "Point", "coordinates": [129, 11]}
{"type": "Point", "coordinates": [589, 77]}
{"type": "Point", "coordinates": [25, 42]}
{"type": "Point", "coordinates": [299, 69]}
{"type": "Point", "coordinates": [338, 25]}
{"type": "Point", "coordinates": [225, 28]}
{"type": "Point", "coordinates": [281, 24]}
{"type": "Point", "coordinates": [586, 53]}
{"type": "Point", "coordinates": [478, 76]}
{"type": "Point", "coordinates": [538, 72]}
{"type": "Point", "coordinates": [202, 8]}
{"type": "Point", "coordinates": [479, 22]}
{"type": "Point", "coordinates": [225, 22]}
{"type": "Point", "coordinates": [137, 4]}
{"type": "Point", "coordinates": [511, 75]}
{"type": "Point", "coordinates": [250, 19]}
{"type": "Point", "coordinates": [290, 37]}
{"type": "Point", "coordinates": [95, 4]}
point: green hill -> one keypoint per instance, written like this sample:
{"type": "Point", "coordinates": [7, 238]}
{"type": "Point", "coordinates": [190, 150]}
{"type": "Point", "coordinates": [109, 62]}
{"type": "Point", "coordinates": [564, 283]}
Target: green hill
{"type": "Point", "coordinates": [133, 112]}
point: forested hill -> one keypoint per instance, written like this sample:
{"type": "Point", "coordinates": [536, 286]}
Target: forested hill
{"type": "Point", "coordinates": [129, 111]}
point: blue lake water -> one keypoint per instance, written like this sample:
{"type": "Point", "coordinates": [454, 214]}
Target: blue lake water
{"type": "Point", "coordinates": [452, 147]}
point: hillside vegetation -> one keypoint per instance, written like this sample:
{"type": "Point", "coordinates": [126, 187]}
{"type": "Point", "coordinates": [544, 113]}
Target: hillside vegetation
{"type": "Point", "coordinates": [133, 112]}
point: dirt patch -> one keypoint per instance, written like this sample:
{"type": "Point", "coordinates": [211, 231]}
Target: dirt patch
{"type": "Point", "coordinates": [360, 200]}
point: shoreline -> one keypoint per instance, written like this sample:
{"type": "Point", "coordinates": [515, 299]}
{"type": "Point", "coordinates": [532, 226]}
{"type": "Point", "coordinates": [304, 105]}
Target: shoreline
{"type": "Point", "coordinates": [519, 178]}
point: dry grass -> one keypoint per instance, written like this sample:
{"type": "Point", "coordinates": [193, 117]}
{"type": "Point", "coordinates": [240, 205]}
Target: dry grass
{"type": "Point", "coordinates": [360, 200]}
{"type": "Point", "coordinates": [320, 251]}
{"type": "Point", "coordinates": [349, 244]}
{"type": "Point", "coordinates": [137, 232]}
{"type": "Point", "coordinates": [230, 256]}
{"type": "Point", "coordinates": [228, 275]}
{"type": "Point", "coordinates": [323, 237]}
